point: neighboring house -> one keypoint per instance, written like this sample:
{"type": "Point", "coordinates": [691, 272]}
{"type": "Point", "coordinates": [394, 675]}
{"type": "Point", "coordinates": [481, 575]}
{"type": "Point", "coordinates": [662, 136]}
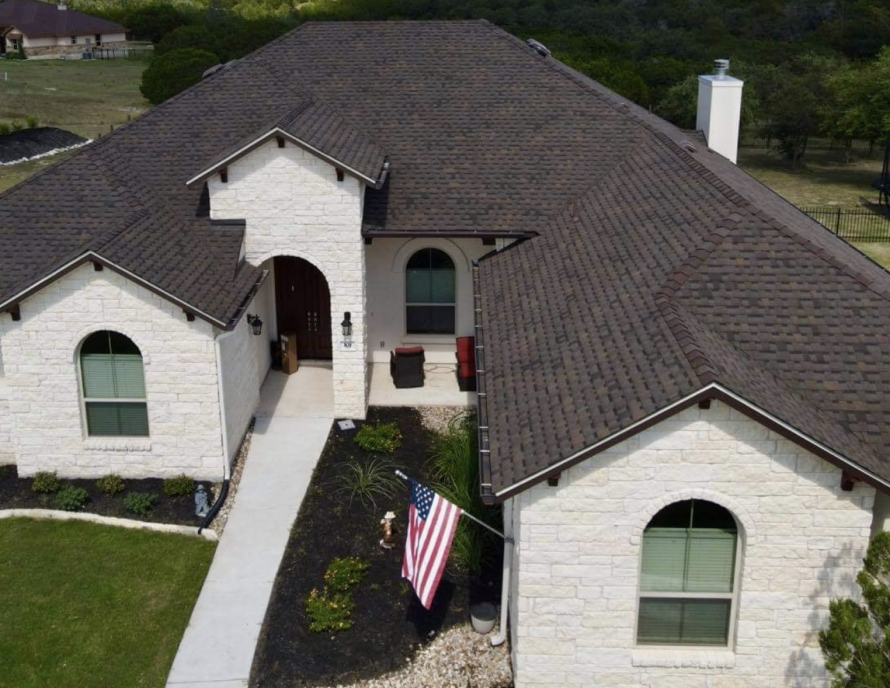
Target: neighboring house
{"type": "Point", "coordinates": [682, 377]}
{"type": "Point", "coordinates": [42, 29]}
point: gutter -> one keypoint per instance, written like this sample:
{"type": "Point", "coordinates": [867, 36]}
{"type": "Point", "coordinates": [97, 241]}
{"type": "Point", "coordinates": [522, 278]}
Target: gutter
{"type": "Point", "coordinates": [481, 392]}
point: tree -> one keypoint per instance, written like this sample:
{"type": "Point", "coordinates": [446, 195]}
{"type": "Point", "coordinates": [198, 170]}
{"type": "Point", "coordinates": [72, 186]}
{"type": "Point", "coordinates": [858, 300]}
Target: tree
{"type": "Point", "coordinates": [856, 644]}
{"type": "Point", "coordinates": [175, 71]}
{"type": "Point", "coordinates": [858, 106]}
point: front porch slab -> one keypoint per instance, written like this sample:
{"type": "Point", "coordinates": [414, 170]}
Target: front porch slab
{"type": "Point", "coordinates": [439, 389]}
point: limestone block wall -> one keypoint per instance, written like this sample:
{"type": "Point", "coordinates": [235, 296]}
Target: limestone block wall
{"type": "Point", "coordinates": [295, 206]}
{"type": "Point", "coordinates": [576, 563]}
{"type": "Point", "coordinates": [40, 373]}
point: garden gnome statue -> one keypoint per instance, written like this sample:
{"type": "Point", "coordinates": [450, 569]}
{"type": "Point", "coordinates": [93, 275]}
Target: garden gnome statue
{"type": "Point", "coordinates": [201, 506]}
{"type": "Point", "coordinates": [386, 522]}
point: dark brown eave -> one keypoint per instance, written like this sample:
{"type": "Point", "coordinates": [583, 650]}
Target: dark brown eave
{"type": "Point", "coordinates": [281, 134]}
{"type": "Point", "coordinates": [714, 391]}
{"type": "Point", "coordinates": [13, 304]}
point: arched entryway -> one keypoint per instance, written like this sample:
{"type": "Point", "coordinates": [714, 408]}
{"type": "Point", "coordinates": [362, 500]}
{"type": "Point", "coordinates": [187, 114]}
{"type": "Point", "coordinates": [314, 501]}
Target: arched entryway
{"type": "Point", "coordinates": [303, 304]}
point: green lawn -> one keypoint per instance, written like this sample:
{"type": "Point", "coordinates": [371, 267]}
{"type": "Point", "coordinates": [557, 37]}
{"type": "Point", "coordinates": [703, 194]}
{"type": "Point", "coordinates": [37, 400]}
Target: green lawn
{"type": "Point", "coordinates": [822, 179]}
{"type": "Point", "coordinates": [83, 96]}
{"type": "Point", "coordinates": [880, 253]}
{"type": "Point", "coordinates": [90, 606]}
{"type": "Point", "coordinates": [86, 97]}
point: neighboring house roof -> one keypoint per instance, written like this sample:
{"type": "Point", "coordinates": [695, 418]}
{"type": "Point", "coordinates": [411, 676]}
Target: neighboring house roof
{"type": "Point", "coordinates": [35, 19]}
{"type": "Point", "coordinates": [654, 272]}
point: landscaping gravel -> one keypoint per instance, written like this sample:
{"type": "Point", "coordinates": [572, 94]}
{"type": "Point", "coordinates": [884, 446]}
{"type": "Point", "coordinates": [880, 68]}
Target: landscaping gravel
{"type": "Point", "coordinates": [218, 525]}
{"type": "Point", "coordinates": [457, 658]}
{"type": "Point", "coordinates": [437, 418]}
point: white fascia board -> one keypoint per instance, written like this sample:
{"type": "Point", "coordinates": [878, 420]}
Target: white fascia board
{"type": "Point", "coordinates": [92, 255]}
{"type": "Point", "coordinates": [261, 139]}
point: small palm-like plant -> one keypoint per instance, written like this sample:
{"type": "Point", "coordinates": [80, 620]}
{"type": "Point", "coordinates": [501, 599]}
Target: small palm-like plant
{"type": "Point", "coordinates": [368, 481]}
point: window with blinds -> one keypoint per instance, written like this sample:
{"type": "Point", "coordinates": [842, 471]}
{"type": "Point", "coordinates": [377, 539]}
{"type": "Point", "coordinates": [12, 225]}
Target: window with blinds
{"type": "Point", "coordinates": [687, 579]}
{"type": "Point", "coordinates": [113, 386]}
{"type": "Point", "coordinates": [430, 293]}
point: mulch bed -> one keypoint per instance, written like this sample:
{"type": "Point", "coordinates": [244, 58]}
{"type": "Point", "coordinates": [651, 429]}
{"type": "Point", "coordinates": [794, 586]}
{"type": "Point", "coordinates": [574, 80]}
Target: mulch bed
{"type": "Point", "coordinates": [389, 624]}
{"type": "Point", "coordinates": [16, 493]}
{"type": "Point", "coordinates": [28, 143]}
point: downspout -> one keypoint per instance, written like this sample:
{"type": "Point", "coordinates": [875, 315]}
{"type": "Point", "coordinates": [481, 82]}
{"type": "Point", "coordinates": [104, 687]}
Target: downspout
{"type": "Point", "coordinates": [222, 403]}
{"type": "Point", "coordinates": [506, 578]}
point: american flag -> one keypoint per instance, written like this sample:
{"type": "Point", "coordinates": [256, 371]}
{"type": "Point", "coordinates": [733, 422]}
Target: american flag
{"type": "Point", "coordinates": [432, 522]}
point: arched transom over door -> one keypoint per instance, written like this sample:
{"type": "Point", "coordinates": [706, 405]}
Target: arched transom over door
{"type": "Point", "coordinates": [304, 306]}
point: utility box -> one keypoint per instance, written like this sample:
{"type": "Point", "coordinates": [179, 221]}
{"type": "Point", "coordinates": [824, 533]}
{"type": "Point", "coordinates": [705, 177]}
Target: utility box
{"type": "Point", "coordinates": [287, 342]}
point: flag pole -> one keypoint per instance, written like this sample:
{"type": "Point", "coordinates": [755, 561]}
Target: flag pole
{"type": "Point", "coordinates": [464, 513]}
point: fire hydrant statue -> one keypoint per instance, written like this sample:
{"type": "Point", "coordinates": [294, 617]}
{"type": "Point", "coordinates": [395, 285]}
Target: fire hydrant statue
{"type": "Point", "coordinates": [388, 542]}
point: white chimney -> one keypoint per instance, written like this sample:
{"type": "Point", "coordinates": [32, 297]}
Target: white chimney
{"type": "Point", "coordinates": [720, 110]}
{"type": "Point", "coordinates": [62, 6]}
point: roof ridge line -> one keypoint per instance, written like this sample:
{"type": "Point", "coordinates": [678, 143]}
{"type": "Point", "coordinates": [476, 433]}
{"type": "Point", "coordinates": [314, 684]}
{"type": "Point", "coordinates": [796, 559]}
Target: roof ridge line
{"type": "Point", "coordinates": [708, 175]}
{"type": "Point", "coordinates": [695, 356]}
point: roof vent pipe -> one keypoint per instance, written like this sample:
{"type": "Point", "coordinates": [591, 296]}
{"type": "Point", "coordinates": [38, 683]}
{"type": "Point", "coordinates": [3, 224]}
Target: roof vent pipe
{"type": "Point", "coordinates": [538, 47]}
{"type": "Point", "coordinates": [720, 110]}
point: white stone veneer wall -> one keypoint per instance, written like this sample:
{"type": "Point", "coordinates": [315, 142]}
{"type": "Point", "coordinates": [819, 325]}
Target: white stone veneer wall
{"type": "Point", "coordinates": [294, 206]}
{"type": "Point", "coordinates": [41, 373]}
{"type": "Point", "coordinates": [574, 599]}
{"type": "Point", "coordinates": [244, 362]}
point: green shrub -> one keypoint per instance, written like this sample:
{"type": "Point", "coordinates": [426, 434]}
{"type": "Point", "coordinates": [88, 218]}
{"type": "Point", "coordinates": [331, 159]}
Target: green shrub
{"type": "Point", "coordinates": [31, 122]}
{"type": "Point", "coordinates": [329, 612]}
{"type": "Point", "coordinates": [367, 481]}
{"type": "Point", "coordinates": [71, 498]}
{"type": "Point", "coordinates": [331, 609]}
{"type": "Point", "coordinates": [5, 129]}
{"type": "Point", "coordinates": [380, 438]}
{"type": "Point", "coordinates": [455, 476]}
{"type": "Point", "coordinates": [345, 573]}
{"type": "Point", "coordinates": [175, 71]}
{"type": "Point", "coordinates": [110, 484]}
{"type": "Point", "coordinates": [46, 482]}
{"type": "Point", "coordinates": [180, 486]}
{"type": "Point", "coordinates": [140, 503]}
{"type": "Point", "coordinates": [17, 125]}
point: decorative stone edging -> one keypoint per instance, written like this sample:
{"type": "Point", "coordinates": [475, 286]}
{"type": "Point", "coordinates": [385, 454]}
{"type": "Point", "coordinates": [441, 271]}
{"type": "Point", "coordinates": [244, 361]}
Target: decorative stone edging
{"type": "Point", "coordinates": [54, 515]}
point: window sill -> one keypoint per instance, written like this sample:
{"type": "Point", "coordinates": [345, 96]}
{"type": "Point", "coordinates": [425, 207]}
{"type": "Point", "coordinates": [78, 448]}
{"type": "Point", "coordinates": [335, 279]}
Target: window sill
{"type": "Point", "coordinates": [680, 657]}
{"type": "Point", "coordinates": [429, 339]}
{"type": "Point", "coordinates": [127, 444]}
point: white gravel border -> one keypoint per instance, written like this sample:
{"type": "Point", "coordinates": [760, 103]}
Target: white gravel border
{"type": "Point", "coordinates": [53, 515]}
{"type": "Point", "coordinates": [54, 151]}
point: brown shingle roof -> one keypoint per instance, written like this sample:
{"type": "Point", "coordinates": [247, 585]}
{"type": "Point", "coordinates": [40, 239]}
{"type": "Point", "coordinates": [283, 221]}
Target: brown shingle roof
{"type": "Point", "coordinates": [37, 19]}
{"type": "Point", "coordinates": [657, 268]}
{"type": "Point", "coordinates": [677, 272]}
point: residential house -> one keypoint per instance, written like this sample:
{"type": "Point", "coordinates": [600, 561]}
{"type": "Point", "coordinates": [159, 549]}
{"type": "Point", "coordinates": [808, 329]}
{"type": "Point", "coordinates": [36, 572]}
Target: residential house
{"type": "Point", "coordinates": [682, 377]}
{"type": "Point", "coordinates": [43, 29]}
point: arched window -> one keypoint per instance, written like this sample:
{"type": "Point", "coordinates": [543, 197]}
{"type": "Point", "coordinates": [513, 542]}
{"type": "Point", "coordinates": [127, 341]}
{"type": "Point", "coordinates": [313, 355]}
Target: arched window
{"type": "Point", "coordinates": [688, 586]}
{"type": "Point", "coordinates": [113, 385]}
{"type": "Point", "coordinates": [429, 292]}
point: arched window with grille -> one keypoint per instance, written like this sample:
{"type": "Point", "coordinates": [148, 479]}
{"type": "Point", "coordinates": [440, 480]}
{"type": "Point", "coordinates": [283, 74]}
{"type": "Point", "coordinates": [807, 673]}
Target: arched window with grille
{"type": "Point", "coordinates": [113, 386]}
{"type": "Point", "coordinates": [430, 293]}
{"type": "Point", "coordinates": [689, 576]}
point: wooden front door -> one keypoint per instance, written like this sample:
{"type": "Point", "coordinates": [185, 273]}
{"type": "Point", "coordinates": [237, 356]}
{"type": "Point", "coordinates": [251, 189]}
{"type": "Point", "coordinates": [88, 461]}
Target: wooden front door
{"type": "Point", "coordinates": [304, 306]}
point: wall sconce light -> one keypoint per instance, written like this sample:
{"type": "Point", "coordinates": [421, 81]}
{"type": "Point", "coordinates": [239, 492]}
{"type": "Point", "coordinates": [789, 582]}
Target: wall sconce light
{"type": "Point", "coordinates": [347, 329]}
{"type": "Point", "coordinates": [255, 322]}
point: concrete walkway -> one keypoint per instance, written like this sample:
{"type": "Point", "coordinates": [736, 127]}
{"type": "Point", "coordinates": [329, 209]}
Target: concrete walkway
{"type": "Point", "coordinates": [218, 646]}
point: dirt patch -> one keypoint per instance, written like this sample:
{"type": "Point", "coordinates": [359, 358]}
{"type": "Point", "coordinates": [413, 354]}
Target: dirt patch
{"type": "Point", "coordinates": [24, 145]}
{"type": "Point", "coordinates": [16, 493]}
{"type": "Point", "coordinates": [389, 624]}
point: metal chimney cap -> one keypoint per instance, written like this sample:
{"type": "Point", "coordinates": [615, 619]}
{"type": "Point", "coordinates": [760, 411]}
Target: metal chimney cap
{"type": "Point", "coordinates": [721, 67]}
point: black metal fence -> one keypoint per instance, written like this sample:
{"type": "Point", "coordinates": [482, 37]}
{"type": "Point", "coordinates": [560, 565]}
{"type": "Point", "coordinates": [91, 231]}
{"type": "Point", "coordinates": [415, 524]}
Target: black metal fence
{"type": "Point", "coordinates": [858, 148]}
{"type": "Point", "coordinates": [855, 224]}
